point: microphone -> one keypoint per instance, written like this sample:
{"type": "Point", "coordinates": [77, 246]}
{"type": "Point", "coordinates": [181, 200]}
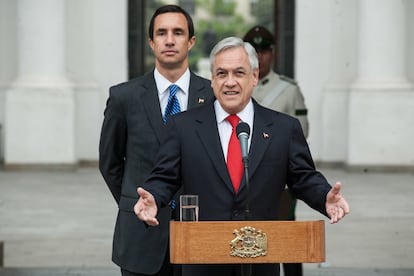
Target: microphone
{"type": "Point", "coordinates": [243, 134]}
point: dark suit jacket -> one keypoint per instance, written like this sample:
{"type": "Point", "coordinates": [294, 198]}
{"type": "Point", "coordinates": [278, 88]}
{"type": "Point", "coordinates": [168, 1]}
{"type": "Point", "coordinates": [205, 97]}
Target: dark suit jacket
{"type": "Point", "coordinates": [130, 138]}
{"type": "Point", "coordinates": [192, 156]}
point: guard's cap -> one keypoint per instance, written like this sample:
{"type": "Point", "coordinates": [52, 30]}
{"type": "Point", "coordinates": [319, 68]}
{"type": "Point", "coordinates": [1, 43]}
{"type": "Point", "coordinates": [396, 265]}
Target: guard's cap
{"type": "Point", "coordinates": [260, 38]}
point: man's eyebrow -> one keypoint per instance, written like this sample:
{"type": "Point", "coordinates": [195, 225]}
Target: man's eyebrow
{"type": "Point", "coordinates": [221, 69]}
{"type": "Point", "coordinates": [178, 29]}
{"type": "Point", "coordinates": [240, 68]}
{"type": "Point", "coordinates": [166, 29]}
{"type": "Point", "coordinates": [237, 69]}
{"type": "Point", "coordinates": [160, 30]}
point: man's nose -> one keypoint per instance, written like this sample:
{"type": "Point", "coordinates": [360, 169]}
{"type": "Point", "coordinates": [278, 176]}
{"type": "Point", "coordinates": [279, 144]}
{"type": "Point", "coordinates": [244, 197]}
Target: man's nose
{"type": "Point", "coordinates": [170, 39]}
{"type": "Point", "coordinates": [230, 81]}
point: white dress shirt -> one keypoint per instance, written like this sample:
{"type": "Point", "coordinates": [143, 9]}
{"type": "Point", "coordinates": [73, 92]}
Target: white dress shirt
{"type": "Point", "coordinates": [225, 128]}
{"type": "Point", "coordinates": [163, 91]}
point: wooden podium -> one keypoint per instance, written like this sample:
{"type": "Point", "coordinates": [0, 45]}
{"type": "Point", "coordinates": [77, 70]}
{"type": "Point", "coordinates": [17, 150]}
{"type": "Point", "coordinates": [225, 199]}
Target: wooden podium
{"type": "Point", "coordinates": [227, 242]}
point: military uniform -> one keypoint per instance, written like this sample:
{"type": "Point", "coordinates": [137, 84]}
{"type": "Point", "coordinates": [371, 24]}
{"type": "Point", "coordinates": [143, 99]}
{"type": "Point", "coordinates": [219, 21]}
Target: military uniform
{"type": "Point", "coordinates": [281, 93]}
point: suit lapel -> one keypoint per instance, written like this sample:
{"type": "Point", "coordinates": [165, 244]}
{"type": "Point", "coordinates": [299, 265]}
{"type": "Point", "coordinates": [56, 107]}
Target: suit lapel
{"type": "Point", "coordinates": [150, 100]}
{"type": "Point", "coordinates": [151, 105]}
{"type": "Point", "coordinates": [206, 128]}
{"type": "Point", "coordinates": [197, 92]}
{"type": "Point", "coordinates": [261, 138]}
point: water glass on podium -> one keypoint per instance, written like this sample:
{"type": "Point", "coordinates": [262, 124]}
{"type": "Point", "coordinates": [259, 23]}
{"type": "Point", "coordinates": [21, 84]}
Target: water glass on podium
{"type": "Point", "coordinates": [188, 207]}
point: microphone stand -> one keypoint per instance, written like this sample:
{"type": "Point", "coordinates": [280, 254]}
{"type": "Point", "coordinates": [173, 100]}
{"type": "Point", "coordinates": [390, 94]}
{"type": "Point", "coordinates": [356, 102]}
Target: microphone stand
{"type": "Point", "coordinates": [246, 175]}
{"type": "Point", "coordinates": [246, 269]}
{"type": "Point", "coordinates": [243, 131]}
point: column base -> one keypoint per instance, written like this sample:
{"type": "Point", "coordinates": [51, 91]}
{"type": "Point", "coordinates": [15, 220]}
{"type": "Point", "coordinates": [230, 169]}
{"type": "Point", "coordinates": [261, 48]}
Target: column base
{"type": "Point", "coordinates": [88, 119]}
{"type": "Point", "coordinates": [334, 122]}
{"type": "Point", "coordinates": [39, 124]}
{"type": "Point", "coordinates": [380, 128]}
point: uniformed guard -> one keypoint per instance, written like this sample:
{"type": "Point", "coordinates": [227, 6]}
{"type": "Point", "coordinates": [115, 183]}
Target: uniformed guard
{"type": "Point", "coordinates": [275, 91]}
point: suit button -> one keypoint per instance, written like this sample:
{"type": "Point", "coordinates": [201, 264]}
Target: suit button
{"type": "Point", "coordinates": [235, 213]}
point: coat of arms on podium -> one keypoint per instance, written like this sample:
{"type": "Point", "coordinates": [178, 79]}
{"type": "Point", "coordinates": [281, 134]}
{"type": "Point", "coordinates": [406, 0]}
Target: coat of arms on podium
{"type": "Point", "coordinates": [248, 243]}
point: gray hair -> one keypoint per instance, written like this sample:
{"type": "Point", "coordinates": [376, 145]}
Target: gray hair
{"type": "Point", "coordinates": [234, 42]}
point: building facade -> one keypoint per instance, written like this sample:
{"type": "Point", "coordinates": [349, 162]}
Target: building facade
{"type": "Point", "coordinates": [353, 61]}
{"type": "Point", "coordinates": [58, 59]}
{"type": "Point", "coordinates": [355, 64]}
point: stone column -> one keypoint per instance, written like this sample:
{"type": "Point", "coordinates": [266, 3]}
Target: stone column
{"type": "Point", "coordinates": [382, 45]}
{"type": "Point", "coordinates": [39, 118]}
{"type": "Point", "coordinates": [335, 96]}
{"type": "Point", "coordinates": [381, 108]}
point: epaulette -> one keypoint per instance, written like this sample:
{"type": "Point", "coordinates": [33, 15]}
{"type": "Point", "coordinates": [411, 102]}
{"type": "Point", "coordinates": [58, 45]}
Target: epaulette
{"type": "Point", "coordinates": [290, 80]}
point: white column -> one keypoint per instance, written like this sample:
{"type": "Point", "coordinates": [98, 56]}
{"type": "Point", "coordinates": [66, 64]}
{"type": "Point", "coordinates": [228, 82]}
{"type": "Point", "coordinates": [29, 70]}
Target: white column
{"type": "Point", "coordinates": [335, 93]}
{"type": "Point", "coordinates": [381, 108]}
{"type": "Point", "coordinates": [39, 118]}
{"type": "Point", "coordinates": [382, 45]}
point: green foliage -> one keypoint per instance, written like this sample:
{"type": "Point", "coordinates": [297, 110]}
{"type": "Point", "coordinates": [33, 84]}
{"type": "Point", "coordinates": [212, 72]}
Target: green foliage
{"type": "Point", "coordinates": [205, 4]}
{"type": "Point", "coordinates": [224, 8]}
{"type": "Point", "coordinates": [263, 12]}
{"type": "Point", "coordinates": [222, 26]}
{"type": "Point", "coordinates": [224, 23]}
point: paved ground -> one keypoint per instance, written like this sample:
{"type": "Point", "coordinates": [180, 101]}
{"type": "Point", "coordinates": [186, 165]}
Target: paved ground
{"type": "Point", "coordinates": [60, 223]}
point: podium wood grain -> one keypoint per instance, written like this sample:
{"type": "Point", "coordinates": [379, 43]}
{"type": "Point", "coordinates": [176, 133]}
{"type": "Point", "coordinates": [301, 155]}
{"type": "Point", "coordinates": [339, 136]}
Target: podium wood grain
{"type": "Point", "coordinates": [208, 242]}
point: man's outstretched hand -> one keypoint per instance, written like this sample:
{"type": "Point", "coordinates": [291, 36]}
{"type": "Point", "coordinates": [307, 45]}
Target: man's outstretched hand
{"type": "Point", "coordinates": [336, 205]}
{"type": "Point", "coordinates": [146, 207]}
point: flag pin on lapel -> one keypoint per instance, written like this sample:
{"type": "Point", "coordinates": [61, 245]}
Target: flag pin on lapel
{"type": "Point", "coordinates": [200, 100]}
{"type": "Point", "coordinates": [266, 135]}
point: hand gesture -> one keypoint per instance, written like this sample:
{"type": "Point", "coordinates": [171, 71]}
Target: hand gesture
{"type": "Point", "coordinates": [146, 208]}
{"type": "Point", "coordinates": [336, 205]}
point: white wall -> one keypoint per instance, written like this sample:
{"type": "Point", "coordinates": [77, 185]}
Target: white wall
{"type": "Point", "coordinates": [311, 62]}
{"type": "Point", "coordinates": [360, 128]}
{"type": "Point", "coordinates": [95, 57]}
{"type": "Point", "coordinates": [7, 57]}
{"type": "Point", "coordinates": [345, 126]}
{"type": "Point", "coordinates": [410, 39]}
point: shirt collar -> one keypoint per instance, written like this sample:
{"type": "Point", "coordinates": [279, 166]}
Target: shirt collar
{"type": "Point", "coordinates": [162, 83]}
{"type": "Point", "coordinates": [246, 115]}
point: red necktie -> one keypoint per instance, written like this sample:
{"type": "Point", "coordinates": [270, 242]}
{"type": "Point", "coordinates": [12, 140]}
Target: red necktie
{"type": "Point", "coordinates": [234, 158]}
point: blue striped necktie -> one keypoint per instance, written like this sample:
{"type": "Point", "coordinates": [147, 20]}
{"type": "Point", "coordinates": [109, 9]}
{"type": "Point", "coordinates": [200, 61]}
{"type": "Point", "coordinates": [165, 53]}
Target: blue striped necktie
{"type": "Point", "coordinates": [173, 106]}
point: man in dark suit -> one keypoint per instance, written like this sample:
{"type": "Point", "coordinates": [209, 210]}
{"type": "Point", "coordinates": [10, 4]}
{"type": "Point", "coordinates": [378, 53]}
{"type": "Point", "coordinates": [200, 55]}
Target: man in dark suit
{"type": "Point", "coordinates": [282, 94]}
{"type": "Point", "coordinates": [133, 130]}
{"type": "Point", "coordinates": [195, 151]}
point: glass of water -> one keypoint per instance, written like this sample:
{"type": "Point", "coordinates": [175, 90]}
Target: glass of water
{"type": "Point", "coordinates": [188, 207]}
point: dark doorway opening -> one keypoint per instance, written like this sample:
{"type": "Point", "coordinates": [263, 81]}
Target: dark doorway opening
{"type": "Point", "coordinates": [284, 22]}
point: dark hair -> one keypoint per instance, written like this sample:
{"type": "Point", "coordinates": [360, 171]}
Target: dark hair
{"type": "Point", "coordinates": [167, 9]}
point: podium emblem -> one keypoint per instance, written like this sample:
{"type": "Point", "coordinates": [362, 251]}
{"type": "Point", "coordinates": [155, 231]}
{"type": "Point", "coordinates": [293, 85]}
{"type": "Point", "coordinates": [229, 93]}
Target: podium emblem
{"type": "Point", "coordinates": [248, 243]}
